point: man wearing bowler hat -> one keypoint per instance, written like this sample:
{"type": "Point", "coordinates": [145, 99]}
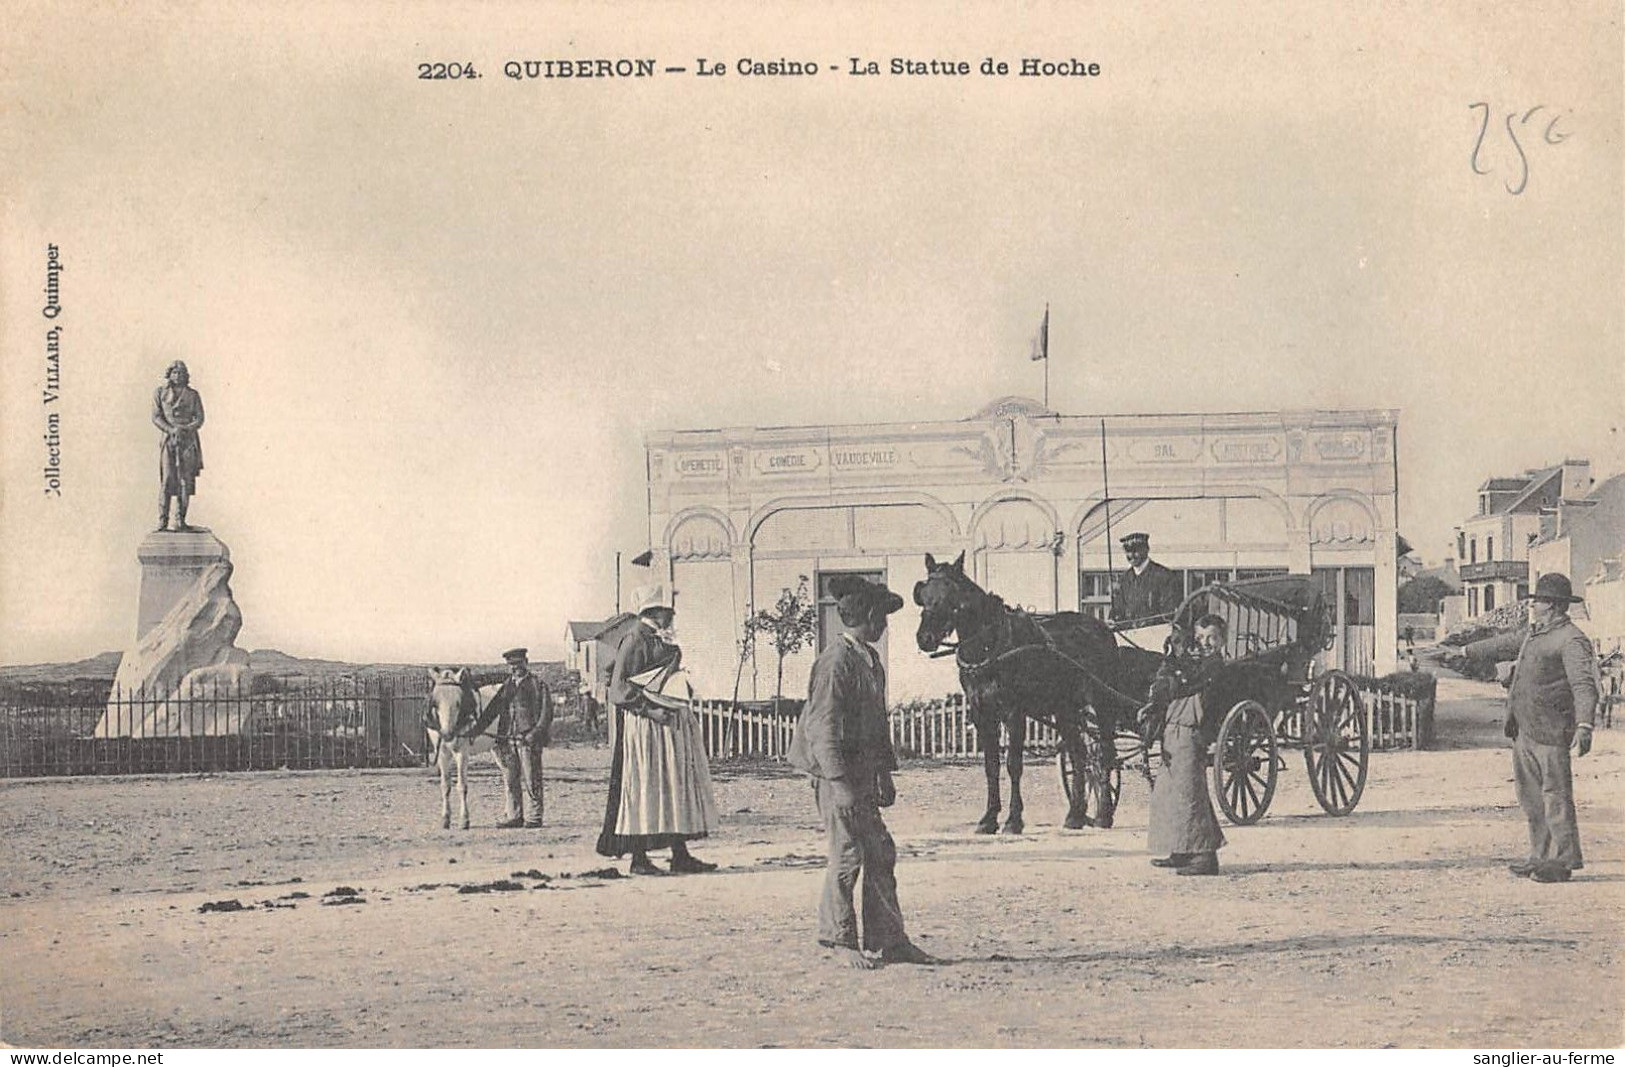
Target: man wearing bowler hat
{"type": "Point", "coordinates": [1551, 706]}
{"type": "Point", "coordinates": [521, 735]}
{"type": "Point", "coordinates": [1147, 589]}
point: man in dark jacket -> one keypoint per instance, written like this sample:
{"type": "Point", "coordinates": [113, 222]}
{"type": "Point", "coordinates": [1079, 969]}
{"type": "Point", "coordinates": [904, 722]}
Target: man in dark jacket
{"type": "Point", "coordinates": [843, 741]}
{"type": "Point", "coordinates": [1551, 706]}
{"type": "Point", "coordinates": [1147, 589]}
{"type": "Point", "coordinates": [521, 736]}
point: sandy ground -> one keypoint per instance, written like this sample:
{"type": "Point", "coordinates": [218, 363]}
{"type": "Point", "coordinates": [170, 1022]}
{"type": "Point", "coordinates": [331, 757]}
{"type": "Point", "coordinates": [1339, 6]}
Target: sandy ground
{"type": "Point", "coordinates": [1397, 926]}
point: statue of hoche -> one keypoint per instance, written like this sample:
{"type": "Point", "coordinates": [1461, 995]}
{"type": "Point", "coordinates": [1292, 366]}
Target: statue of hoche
{"type": "Point", "coordinates": [177, 410]}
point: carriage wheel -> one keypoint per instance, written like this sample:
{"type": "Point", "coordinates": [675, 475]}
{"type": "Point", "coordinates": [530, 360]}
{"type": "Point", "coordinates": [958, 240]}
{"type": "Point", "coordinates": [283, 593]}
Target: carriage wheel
{"type": "Point", "coordinates": [1337, 742]}
{"type": "Point", "coordinates": [1095, 776]}
{"type": "Point", "coordinates": [1244, 768]}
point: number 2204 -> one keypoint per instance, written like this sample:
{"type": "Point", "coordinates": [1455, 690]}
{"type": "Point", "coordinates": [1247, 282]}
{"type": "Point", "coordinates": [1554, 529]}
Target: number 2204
{"type": "Point", "coordinates": [442, 71]}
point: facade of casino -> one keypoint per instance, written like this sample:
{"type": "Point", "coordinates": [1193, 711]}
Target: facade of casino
{"type": "Point", "coordinates": [736, 516]}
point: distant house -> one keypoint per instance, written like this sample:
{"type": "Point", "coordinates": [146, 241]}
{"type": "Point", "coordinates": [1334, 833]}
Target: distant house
{"type": "Point", "coordinates": [590, 650]}
{"type": "Point", "coordinates": [1492, 546]}
{"type": "Point", "coordinates": [1585, 539]}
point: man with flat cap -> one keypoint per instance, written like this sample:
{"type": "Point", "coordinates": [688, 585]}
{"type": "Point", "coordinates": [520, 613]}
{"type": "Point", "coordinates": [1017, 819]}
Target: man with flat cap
{"type": "Point", "coordinates": [1147, 589]}
{"type": "Point", "coordinates": [1551, 706]}
{"type": "Point", "coordinates": [843, 742]}
{"type": "Point", "coordinates": [521, 735]}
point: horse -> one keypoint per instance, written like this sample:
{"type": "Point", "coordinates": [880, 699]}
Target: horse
{"type": "Point", "coordinates": [1065, 669]}
{"type": "Point", "coordinates": [456, 721]}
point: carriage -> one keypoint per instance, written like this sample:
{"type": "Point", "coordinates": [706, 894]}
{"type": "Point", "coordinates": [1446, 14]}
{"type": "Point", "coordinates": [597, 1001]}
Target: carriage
{"type": "Point", "coordinates": [1272, 696]}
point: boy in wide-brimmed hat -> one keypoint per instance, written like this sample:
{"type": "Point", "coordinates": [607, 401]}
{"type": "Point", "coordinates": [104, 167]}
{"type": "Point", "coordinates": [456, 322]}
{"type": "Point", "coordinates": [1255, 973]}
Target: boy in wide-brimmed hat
{"type": "Point", "coordinates": [1551, 706]}
{"type": "Point", "coordinates": [843, 742]}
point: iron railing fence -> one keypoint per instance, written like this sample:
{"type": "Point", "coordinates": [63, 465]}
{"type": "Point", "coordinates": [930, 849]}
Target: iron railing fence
{"type": "Point", "coordinates": [291, 723]}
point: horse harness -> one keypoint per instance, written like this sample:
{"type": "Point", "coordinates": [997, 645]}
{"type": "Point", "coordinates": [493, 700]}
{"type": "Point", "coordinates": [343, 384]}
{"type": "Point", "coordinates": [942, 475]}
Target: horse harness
{"type": "Point", "coordinates": [470, 723]}
{"type": "Point", "coordinates": [1048, 644]}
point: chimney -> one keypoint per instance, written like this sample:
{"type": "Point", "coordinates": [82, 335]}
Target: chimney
{"type": "Point", "coordinates": [1576, 479]}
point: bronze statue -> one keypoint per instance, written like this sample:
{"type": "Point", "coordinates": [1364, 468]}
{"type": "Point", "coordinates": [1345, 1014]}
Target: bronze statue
{"type": "Point", "coordinates": [177, 410]}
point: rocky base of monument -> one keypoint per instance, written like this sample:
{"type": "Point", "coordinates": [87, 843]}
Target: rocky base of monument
{"type": "Point", "coordinates": [185, 677]}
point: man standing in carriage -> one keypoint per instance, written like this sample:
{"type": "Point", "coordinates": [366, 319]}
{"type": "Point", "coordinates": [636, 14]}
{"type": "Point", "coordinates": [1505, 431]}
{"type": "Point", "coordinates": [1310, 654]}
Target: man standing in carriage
{"type": "Point", "coordinates": [1183, 824]}
{"type": "Point", "coordinates": [1147, 590]}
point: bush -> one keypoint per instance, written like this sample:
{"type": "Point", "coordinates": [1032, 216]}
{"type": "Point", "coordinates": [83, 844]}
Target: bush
{"type": "Point", "coordinates": [1460, 638]}
{"type": "Point", "coordinates": [1481, 670]}
{"type": "Point", "coordinates": [1421, 596]}
{"type": "Point", "coordinates": [1417, 685]}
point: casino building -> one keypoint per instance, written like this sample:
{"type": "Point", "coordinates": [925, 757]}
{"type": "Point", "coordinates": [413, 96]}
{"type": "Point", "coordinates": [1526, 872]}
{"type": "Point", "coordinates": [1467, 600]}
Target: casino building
{"type": "Point", "coordinates": [737, 515]}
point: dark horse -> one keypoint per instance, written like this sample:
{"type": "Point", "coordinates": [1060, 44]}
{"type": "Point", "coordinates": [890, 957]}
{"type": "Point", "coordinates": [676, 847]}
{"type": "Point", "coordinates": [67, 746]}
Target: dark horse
{"type": "Point", "coordinates": [1065, 669]}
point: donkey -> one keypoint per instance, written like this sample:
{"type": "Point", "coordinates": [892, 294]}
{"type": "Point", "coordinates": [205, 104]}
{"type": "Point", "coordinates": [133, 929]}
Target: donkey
{"type": "Point", "coordinates": [1064, 668]}
{"type": "Point", "coordinates": [457, 720]}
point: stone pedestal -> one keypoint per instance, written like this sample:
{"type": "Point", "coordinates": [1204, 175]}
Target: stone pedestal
{"type": "Point", "coordinates": [184, 675]}
{"type": "Point", "coordinates": [171, 564]}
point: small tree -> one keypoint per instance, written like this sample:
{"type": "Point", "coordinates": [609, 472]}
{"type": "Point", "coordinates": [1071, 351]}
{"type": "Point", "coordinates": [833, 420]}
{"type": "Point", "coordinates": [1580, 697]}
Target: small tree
{"type": "Point", "coordinates": [788, 627]}
{"type": "Point", "coordinates": [1421, 595]}
{"type": "Point", "coordinates": [746, 648]}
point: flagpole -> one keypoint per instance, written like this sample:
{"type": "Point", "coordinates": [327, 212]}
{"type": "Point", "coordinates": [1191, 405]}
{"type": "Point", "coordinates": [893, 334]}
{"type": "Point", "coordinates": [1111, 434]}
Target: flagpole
{"type": "Point", "coordinates": [1106, 491]}
{"type": "Point", "coordinates": [1045, 343]}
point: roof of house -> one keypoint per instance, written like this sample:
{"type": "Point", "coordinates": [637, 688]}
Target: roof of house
{"type": "Point", "coordinates": [1515, 493]}
{"type": "Point", "coordinates": [584, 631]}
{"type": "Point", "coordinates": [588, 631]}
{"type": "Point", "coordinates": [1588, 510]}
{"type": "Point", "coordinates": [1540, 481]}
{"type": "Point", "coordinates": [613, 623]}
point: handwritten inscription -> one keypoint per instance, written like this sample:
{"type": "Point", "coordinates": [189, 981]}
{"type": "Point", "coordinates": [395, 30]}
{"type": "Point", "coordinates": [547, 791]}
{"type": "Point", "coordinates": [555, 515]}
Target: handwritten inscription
{"type": "Point", "coordinates": [1538, 125]}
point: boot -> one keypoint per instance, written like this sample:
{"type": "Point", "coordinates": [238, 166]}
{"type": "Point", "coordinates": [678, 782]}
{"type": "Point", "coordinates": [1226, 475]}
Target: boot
{"type": "Point", "coordinates": [1201, 863]}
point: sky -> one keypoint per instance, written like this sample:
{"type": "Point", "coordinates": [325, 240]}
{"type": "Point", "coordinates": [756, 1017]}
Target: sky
{"type": "Point", "coordinates": [432, 320]}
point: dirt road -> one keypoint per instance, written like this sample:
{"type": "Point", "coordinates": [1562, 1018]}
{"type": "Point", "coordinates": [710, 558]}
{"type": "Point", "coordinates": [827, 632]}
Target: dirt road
{"type": "Point", "coordinates": [1396, 926]}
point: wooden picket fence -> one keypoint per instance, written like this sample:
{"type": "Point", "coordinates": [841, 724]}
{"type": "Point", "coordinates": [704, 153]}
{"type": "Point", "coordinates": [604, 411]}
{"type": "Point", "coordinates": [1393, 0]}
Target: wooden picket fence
{"type": "Point", "coordinates": [1396, 721]}
{"type": "Point", "coordinates": [930, 729]}
{"type": "Point", "coordinates": [941, 729]}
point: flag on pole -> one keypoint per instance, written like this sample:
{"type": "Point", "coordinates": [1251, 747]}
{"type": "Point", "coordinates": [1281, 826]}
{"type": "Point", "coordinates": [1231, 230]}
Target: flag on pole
{"type": "Point", "coordinates": [1041, 341]}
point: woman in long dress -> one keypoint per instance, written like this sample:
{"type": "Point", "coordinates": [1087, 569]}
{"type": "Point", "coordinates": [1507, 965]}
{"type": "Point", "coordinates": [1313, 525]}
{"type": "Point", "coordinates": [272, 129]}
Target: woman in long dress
{"type": "Point", "coordinates": [660, 780]}
{"type": "Point", "coordinates": [1183, 824]}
